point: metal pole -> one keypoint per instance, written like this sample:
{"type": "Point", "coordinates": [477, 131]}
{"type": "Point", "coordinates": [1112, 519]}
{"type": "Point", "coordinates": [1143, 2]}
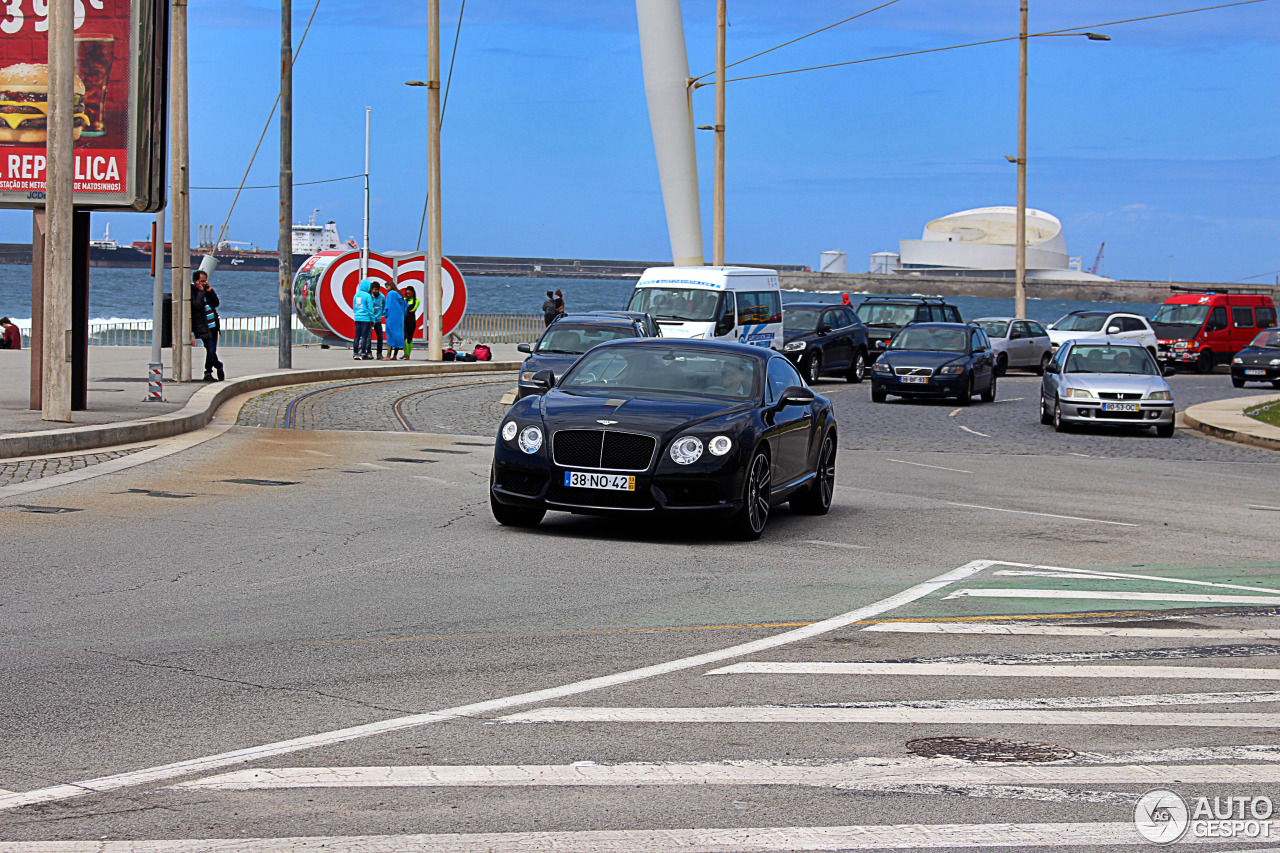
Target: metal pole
{"type": "Point", "coordinates": [364, 249]}
{"type": "Point", "coordinates": [435, 289]}
{"type": "Point", "coordinates": [59, 154]}
{"type": "Point", "coordinates": [284, 295]}
{"type": "Point", "coordinates": [155, 379]}
{"type": "Point", "coordinates": [717, 236]}
{"type": "Point", "coordinates": [1020, 237]}
{"type": "Point", "coordinates": [179, 159]}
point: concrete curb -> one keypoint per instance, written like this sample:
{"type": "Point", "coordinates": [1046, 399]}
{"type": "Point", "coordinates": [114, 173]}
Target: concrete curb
{"type": "Point", "coordinates": [1226, 419]}
{"type": "Point", "coordinates": [202, 405]}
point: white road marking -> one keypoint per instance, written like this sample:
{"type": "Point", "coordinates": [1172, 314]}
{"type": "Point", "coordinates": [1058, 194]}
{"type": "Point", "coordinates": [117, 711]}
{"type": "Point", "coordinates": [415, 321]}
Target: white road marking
{"type": "Point", "coordinates": [937, 467]}
{"type": "Point", "coordinates": [974, 431]}
{"type": "Point", "coordinates": [954, 412]}
{"type": "Point", "coordinates": [1160, 578]}
{"type": "Point", "coordinates": [373, 465]}
{"type": "Point", "coordinates": [1008, 400]}
{"type": "Point", "coordinates": [833, 544]}
{"type": "Point", "coordinates": [913, 836]}
{"type": "Point", "coordinates": [1135, 701]}
{"type": "Point", "coordinates": [999, 670]}
{"type": "Point", "coordinates": [1072, 630]}
{"type": "Point", "coordinates": [874, 771]}
{"type": "Point", "coordinates": [1268, 508]}
{"type": "Point", "coordinates": [1181, 754]}
{"type": "Point", "coordinates": [254, 753]}
{"type": "Point", "coordinates": [1028, 573]}
{"type": "Point", "coordinates": [1115, 596]}
{"type": "Point", "coordinates": [895, 716]}
{"type": "Point", "coordinates": [1004, 792]}
{"type": "Point", "coordinates": [1043, 514]}
{"type": "Point", "coordinates": [314, 452]}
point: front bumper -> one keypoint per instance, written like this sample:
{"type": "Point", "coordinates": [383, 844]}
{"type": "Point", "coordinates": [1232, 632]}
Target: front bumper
{"type": "Point", "coordinates": [1176, 357]}
{"type": "Point", "coordinates": [1255, 373]}
{"type": "Point", "coordinates": [704, 493]}
{"type": "Point", "coordinates": [1149, 413]}
{"type": "Point", "coordinates": [937, 386]}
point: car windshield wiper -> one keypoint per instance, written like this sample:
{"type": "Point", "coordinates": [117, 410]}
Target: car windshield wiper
{"type": "Point", "coordinates": [558, 352]}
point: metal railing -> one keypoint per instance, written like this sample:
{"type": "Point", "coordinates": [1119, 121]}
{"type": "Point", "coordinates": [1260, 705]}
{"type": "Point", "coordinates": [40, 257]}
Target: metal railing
{"type": "Point", "coordinates": [261, 331]}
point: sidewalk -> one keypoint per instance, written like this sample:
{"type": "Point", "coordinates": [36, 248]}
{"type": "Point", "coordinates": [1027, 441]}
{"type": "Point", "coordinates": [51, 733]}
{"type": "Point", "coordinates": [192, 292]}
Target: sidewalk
{"type": "Point", "coordinates": [117, 411]}
{"type": "Point", "coordinates": [1226, 419]}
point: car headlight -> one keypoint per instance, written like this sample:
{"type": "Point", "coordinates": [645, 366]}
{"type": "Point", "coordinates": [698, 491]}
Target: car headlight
{"type": "Point", "coordinates": [530, 439]}
{"type": "Point", "coordinates": [1275, 362]}
{"type": "Point", "coordinates": [951, 370]}
{"type": "Point", "coordinates": [1077, 392]}
{"type": "Point", "coordinates": [794, 346]}
{"type": "Point", "coordinates": [509, 430]}
{"type": "Point", "coordinates": [881, 367]}
{"type": "Point", "coordinates": [1160, 395]}
{"type": "Point", "coordinates": [1182, 344]}
{"type": "Point", "coordinates": [527, 376]}
{"type": "Point", "coordinates": [720, 445]}
{"type": "Point", "coordinates": [686, 450]}
{"type": "Point", "coordinates": [1237, 360]}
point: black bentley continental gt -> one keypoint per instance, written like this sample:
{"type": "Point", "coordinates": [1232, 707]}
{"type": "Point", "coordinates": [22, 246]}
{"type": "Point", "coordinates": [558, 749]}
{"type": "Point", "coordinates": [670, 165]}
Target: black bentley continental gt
{"type": "Point", "coordinates": [639, 426]}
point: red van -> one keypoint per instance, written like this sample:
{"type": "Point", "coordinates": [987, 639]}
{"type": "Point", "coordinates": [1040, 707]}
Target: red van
{"type": "Point", "coordinates": [1203, 328]}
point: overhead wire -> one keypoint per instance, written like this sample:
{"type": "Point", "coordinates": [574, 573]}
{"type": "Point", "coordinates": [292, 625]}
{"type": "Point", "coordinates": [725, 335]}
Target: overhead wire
{"type": "Point", "coordinates": [1065, 31]}
{"type": "Point", "coordinates": [277, 186]}
{"type": "Point", "coordinates": [444, 106]}
{"type": "Point", "coordinates": [294, 61]}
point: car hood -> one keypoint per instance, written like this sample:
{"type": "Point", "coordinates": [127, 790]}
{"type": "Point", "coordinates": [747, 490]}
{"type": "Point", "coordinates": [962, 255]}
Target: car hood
{"type": "Point", "coordinates": [920, 358]}
{"type": "Point", "coordinates": [564, 410]}
{"type": "Point", "coordinates": [557, 364]}
{"type": "Point", "coordinates": [1176, 331]}
{"type": "Point", "coordinates": [1258, 355]}
{"type": "Point", "coordinates": [1060, 336]}
{"type": "Point", "coordinates": [789, 335]}
{"type": "Point", "coordinates": [1115, 383]}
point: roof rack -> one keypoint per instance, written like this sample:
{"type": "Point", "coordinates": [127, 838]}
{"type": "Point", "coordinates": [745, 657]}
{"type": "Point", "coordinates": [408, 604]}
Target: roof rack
{"type": "Point", "coordinates": [942, 300]}
{"type": "Point", "coordinates": [1178, 288]}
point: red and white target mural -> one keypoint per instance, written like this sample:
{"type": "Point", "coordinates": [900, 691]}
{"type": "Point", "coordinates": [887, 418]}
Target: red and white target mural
{"type": "Point", "coordinates": [325, 286]}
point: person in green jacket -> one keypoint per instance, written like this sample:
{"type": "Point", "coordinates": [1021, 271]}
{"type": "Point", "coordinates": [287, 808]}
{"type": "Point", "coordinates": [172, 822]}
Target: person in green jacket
{"type": "Point", "coordinates": [410, 318]}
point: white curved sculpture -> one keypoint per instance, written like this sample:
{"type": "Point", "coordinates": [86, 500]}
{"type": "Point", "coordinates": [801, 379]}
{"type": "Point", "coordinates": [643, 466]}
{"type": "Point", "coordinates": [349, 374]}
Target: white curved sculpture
{"type": "Point", "coordinates": [984, 238]}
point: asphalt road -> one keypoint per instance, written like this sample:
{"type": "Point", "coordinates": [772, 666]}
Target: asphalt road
{"type": "Point", "coordinates": [269, 585]}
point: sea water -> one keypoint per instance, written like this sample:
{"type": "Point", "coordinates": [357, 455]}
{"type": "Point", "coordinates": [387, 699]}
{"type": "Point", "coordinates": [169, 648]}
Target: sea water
{"type": "Point", "coordinates": [124, 295]}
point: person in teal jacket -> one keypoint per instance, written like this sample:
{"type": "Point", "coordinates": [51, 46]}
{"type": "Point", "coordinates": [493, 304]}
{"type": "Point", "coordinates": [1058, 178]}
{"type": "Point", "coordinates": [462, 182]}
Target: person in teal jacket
{"type": "Point", "coordinates": [395, 312]}
{"type": "Point", "coordinates": [379, 314]}
{"type": "Point", "coordinates": [362, 311]}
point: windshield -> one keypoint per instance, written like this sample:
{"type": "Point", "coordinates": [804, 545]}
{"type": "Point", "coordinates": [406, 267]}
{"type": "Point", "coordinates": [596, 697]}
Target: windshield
{"type": "Point", "coordinates": [676, 303]}
{"type": "Point", "coordinates": [1269, 338]}
{"type": "Point", "coordinates": [1105, 358]}
{"type": "Point", "coordinates": [667, 370]}
{"type": "Point", "coordinates": [575, 339]}
{"type": "Point", "coordinates": [879, 314]}
{"type": "Point", "coordinates": [930, 338]}
{"type": "Point", "coordinates": [1186, 315]}
{"type": "Point", "coordinates": [801, 319]}
{"type": "Point", "coordinates": [994, 328]}
{"type": "Point", "coordinates": [1080, 323]}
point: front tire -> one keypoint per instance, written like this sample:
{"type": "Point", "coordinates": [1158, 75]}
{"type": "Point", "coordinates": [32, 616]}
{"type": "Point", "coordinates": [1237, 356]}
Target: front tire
{"type": "Point", "coordinates": [515, 516]}
{"type": "Point", "coordinates": [966, 396]}
{"type": "Point", "coordinates": [1002, 364]}
{"type": "Point", "coordinates": [749, 521]}
{"type": "Point", "coordinates": [1046, 416]}
{"type": "Point", "coordinates": [812, 368]}
{"type": "Point", "coordinates": [1058, 423]}
{"type": "Point", "coordinates": [816, 500]}
{"type": "Point", "coordinates": [877, 395]}
{"type": "Point", "coordinates": [858, 371]}
{"type": "Point", "coordinates": [1237, 381]}
{"type": "Point", "coordinates": [1204, 361]}
{"type": "Point", "coordinates": [1165, 430]}
{"type": "Point", "coordinates": [989, 395]}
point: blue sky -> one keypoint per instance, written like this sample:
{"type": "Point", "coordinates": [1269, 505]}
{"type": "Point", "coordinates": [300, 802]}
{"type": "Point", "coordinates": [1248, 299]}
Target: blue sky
{"type": "Point", "coordinates": [1162, 142]}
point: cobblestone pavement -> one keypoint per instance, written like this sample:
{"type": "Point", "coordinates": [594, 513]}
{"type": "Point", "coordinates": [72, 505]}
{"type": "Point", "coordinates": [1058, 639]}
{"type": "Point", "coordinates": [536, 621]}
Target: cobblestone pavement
{"type": "Point", "coordinates": [447, 404]}
{"type": "Point", "coordinates": [13, 473]}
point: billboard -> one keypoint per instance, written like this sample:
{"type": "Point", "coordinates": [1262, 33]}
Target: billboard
{"type": "Point", "coordinates": [121, 54]}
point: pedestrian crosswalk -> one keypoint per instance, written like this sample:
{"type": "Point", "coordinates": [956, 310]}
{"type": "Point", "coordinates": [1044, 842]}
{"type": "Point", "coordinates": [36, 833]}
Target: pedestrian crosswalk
{"type": "Point", "coordinates": [929, 666]}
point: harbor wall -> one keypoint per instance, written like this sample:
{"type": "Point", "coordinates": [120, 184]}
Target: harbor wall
{"type": "Point", "coordinates": [998, 288]}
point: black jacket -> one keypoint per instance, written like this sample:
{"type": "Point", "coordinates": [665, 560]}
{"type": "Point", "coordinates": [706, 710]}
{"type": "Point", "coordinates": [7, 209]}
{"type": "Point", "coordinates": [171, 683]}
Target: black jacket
{"type": "Point", "coordinates": [204, 313]}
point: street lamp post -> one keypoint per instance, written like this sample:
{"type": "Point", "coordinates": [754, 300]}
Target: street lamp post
{"type": "Point", "coordinates": [1020, 235]}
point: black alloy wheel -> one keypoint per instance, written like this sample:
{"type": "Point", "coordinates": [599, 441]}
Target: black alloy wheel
{"type": "Point", "coordinates": [515, 516]}
{"type": "Point", "coordinates": [966, 396]}
{"type": "Point", "coordinates": [989, 395]}
{"type": "Point", "coordinates": [813, 367]}
{"type": "Point", "coordinates": [1044, 362]}
{"type": "Point", "coordinates": [1204, 361]}
{"type": "Point", "coordinates": [816, 500]}
{"type": "Point", "coordinates": [749, 522]}
{"type": "Point", "coordinates": [1002, 364]}
{"type": "Point", "coordinates": [858, 371]}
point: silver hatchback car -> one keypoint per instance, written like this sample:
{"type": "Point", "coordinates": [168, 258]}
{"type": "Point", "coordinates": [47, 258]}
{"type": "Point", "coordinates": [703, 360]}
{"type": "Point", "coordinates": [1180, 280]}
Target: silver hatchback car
{"type": "Point", "coordinates": [1106, 382]}
{"type": "Point", "coordinates": [1017, 343]}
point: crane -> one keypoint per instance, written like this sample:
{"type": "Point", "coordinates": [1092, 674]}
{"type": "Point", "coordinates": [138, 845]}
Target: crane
{"type": "Point", "coordinates": [1097, 262]}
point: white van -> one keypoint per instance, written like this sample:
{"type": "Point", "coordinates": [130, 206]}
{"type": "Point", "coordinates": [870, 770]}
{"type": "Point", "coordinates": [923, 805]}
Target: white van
{"type": "Point", "coordinates": [713, 303]}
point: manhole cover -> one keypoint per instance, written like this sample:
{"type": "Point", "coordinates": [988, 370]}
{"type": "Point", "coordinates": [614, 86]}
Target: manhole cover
{"type": "Point", "coordinates": [987, 749]}
{"type": "Point", "coordinates": [53, 510]}
{"type": "Point", "coordinates": [249, 481]}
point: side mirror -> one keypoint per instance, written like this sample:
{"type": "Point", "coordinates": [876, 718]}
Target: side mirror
{"type": "Point", "coordinates": [544, 379]}
{"type": "Point", "coordinates": [1051, 367]}
{"type": "Point", "coordinates": [823, 329]}
{"type": "Point", "coordinates": [525, 348]}
{"type": "Point", "coordinates": [796, 395]}
{"type": "Point", "coordinates": [1113, 330]}
{"type": "Point", "coordinates": [1169, 370]}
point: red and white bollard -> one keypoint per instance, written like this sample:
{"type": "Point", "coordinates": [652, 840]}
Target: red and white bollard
{"type": "Point", "coordinates": [155, 384]}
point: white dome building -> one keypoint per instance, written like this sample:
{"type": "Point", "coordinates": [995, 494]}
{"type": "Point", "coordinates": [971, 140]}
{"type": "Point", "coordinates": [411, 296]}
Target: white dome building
{"type": "Point", "coordinates": [982, 240]}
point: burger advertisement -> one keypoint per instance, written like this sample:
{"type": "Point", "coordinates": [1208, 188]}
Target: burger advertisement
{"type": "Point", "coordinates": [119, 134]}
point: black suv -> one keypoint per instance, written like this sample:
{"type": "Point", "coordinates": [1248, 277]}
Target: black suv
{"type": "Point", "coordinates": [885, 315]}
{"type": "Point", "coordinates": [825, 340]}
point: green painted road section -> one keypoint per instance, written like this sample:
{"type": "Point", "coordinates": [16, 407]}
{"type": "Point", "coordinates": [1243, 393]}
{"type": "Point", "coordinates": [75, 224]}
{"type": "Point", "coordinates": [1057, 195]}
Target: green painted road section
{"type": "Point", "coordinates": [965, 600]}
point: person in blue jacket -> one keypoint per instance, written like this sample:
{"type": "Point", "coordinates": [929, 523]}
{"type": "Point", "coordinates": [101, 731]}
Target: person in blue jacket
{"type": "Point", "coordinates": [362, 307]}
{"type": "Point", "coordinates": [379, 312]}
{"type": "Point", "coordinates": [394, 315]}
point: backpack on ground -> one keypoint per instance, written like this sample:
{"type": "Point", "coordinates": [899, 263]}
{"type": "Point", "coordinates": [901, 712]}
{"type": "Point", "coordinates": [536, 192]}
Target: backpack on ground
{"type": "Point", "coordinates": [483, 353]}
{"type": "Point", "coordinates": [449, 355]}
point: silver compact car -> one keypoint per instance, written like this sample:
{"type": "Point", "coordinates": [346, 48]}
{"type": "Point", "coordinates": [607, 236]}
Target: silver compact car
{"type": "Point", "coordinates": [1017, 343]}
{"type": "Point", "coordinates": [1106, 382]}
